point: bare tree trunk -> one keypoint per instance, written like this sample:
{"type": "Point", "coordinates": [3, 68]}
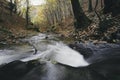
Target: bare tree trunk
{"type": "Point", "coordinates": [95, 9]}
{"type": "Point", "coordinates": [1, 13]}
{"type": "Point", "coordinates": [101, 4]}
{"type": "Point", "coordinates": [15, 3]}
{"type": "Point", "coordinates": [11, 7]}
{"type": "Point", "coordinates": [90, 8]}
{"type": "Point", "coordinates": [81, 20]}
{"type": "Point", "coordinates": [27, 13]}
{"type": "Point", "coordinates": [112, 6]}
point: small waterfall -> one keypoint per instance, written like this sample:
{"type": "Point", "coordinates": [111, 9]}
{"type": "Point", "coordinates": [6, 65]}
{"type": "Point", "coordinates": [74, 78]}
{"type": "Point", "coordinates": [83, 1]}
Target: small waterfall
{"type": "Point", "coordinates": [60, 53]}
{"type": "Point", "coordinates": [63, 54]}
{"type": "Point", "coordinates": [7, 56]}
{"type": "Point", "coordinates": [53, 72]}
{"type": "Point", "coordinates": [47, 50]}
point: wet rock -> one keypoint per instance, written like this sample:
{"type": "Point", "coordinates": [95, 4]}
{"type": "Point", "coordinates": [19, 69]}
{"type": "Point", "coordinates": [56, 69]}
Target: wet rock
{"type": "Point", "coordinates": [15, 70]}
{"type": "Point", "coordinates": [115, 35]}
{"type": "Point", "coordinates": [86, 52]}
{"type": "Point", "coordinates": [109, 68]}
{"type": "Point", "coordinates": [83, 74]}
{"type": "Point", "coordinates": [61, 72]}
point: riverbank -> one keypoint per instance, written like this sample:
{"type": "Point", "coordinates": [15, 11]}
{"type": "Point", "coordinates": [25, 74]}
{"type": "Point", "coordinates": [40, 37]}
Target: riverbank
{"type": "Point", "coordinates": [12, 32]}
{"type": "Point", "coordinates": [12, 26]}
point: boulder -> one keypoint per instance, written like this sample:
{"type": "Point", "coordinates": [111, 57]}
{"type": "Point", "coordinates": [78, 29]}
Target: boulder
{"type": "Point", "coordinates": [16, 69]}
{"type": "Point", "coordinates": [86, 52]}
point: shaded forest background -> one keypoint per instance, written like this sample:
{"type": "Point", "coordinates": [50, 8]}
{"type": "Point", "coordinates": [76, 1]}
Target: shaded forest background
{"type": "Point", "coordinates": [77, 20]}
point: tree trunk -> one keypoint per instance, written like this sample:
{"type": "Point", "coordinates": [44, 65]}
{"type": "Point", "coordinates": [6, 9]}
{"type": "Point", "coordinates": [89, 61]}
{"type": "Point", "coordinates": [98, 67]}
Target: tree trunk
{"type": "Point", "coordinates": [11, 7]}
{"type": "Point", "coordinates": [90, 8]}
{"type": "Point", "coordinates": [27, 13]}
{"type": "Point", "coordinates": [95, 9]}
{"type": "Point", "coordinates": [15, 3]}
{"type": "Point", "coordinates": [101, 4]}
{"type": "Point", "coordinates": [107, 6]}
{"type": "Point", "coordinates": [81, 20]}
{"type": "Point", "coordinates": [1, 13]}
{"type": "Point", "coordinates": [112, 6]}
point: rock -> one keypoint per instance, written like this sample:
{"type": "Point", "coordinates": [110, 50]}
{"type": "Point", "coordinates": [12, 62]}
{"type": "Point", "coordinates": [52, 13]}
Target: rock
{"type": "Point", "coordinates": [51, 71]}
{"type": "Point", "coordinates": [15, 70]}
{"type": "Point", "coordinates": [110, 68]}
{"type": "Point", "coordinates": [86, 52]}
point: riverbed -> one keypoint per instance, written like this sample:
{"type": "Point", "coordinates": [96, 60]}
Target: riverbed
{"type": "Point", "coordinates": [45, 57]}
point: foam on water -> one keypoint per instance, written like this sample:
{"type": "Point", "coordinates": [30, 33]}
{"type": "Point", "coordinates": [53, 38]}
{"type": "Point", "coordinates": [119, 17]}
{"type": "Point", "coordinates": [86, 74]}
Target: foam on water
{"type": "Point", "coordinates": [7, 56]}
{"type": "Point", "coordinates": [47, 50]}
{"type": "Point", "coordinates": [60, 53]}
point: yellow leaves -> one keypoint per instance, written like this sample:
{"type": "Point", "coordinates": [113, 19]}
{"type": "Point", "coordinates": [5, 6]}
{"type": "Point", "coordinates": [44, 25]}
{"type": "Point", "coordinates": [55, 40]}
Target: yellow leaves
{"type": "Point", "coordinates": [39, 17]}
{"type": "Point", "coordinates": [51, 3]}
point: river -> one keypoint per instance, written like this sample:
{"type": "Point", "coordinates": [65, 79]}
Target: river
{"type": "Point", "coordinates": [45, 57]}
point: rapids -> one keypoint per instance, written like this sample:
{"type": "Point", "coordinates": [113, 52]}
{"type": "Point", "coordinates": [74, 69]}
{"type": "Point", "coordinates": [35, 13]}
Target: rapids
{"type": "Point", "coordinates": [47, 50]}
{"type": "Point", "coordinates": [44, 57]}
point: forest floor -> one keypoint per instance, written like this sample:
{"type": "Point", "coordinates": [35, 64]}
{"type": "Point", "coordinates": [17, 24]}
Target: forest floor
{"type": "Point", "coordinates": [107, 30]}
{"type": "Point", "coordinates": [12, 27]}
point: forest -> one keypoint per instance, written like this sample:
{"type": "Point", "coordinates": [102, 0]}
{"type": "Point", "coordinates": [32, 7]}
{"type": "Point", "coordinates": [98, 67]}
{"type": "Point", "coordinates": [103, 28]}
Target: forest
{"type": "Point", "coordinates": [84, 20]}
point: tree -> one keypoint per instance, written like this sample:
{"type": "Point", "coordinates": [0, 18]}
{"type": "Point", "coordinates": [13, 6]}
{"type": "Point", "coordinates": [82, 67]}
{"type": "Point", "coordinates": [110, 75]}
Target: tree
{"type": "Point", "coordinates": [81, 20]}
{"type": "Point", "coordinates": [112, 6]}
{"type": "Point", "coordinates": [95, 9]}
{"type": "Point", "coordinates": [11, 7]}
{"type": "Point", "coordinates": [107, 6]}
{"type": "Point", "coordinates": [1, 13]}
{"type": "Point", "coordinates": [101, 3]}
{"type": "Point", "coordinates": [57, 11]}
{"type": "Point", "coordinates": [15, 2]}
{"type": "Point", "coordinates": [27, 13]}
{"type": "Point", "coordinates": [90, 8]}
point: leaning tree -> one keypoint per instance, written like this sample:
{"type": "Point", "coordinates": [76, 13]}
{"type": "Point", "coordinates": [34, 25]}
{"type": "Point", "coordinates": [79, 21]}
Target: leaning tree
{"type": "Point", "coordinates": [81, 20]}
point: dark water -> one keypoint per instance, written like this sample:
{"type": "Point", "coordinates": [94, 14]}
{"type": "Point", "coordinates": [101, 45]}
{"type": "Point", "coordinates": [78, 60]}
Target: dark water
{"type": "Point", "coordinates": [20, 63]}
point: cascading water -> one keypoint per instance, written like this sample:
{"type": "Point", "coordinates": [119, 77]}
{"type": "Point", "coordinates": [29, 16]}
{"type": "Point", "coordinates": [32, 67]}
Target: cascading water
{"type": "Point", "coordinates": [47, 50]}
{"type": "Point", "coordinates": [105, 61]}
{"type": "Point", "coordinates": [55, 52]}
{"type": "Point", "coordinates": [60, 53]}
{"type": "Point", "coordinates": [7, 56]}
{"type": "Point", "coordinates": [53, 72]}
